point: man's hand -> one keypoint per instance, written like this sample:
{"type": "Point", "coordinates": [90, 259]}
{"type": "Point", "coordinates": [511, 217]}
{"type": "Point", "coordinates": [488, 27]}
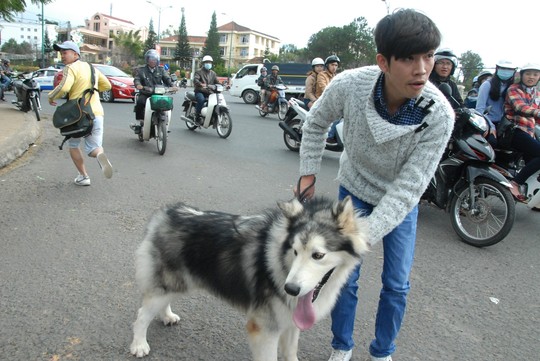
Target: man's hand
{"type": "Point", "coordinates": [52, 102]}
{"type": "Point", "coordinates": [139, 86]}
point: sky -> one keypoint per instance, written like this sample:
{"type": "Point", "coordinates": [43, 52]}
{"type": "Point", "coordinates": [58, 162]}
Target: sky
{"type": "Point", "coordinates": [492, 31]}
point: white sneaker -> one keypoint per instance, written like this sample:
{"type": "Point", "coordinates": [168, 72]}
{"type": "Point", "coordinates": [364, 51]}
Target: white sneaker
{"type": "Point", "coordinates": [82, 180]}
{"type": "Point", "coordinates": [340, 355]}
{"type": "Point", "coordinates": [385, 358]}
{"type": "Point", "coordinates": [105, 165]}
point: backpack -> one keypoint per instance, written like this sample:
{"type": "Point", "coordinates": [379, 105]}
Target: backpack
{"type": "Point", "coordinates": [75, 117]}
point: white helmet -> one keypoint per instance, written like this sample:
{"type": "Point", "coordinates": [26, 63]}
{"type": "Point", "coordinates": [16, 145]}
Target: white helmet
{"type": "Point", "coordinates": [506, 64]}
{"type": "Point", "coordinates": [207, 58]}
{"type": "Point", "coordinates": [447, 53]}
{"type": "Point", "coordinates": [317, 61]}
{"type": "Point", "coordinates": [530, 66]}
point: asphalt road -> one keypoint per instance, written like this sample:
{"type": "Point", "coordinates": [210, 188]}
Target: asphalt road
{"type": "Point", "coordinates": [66, 262]}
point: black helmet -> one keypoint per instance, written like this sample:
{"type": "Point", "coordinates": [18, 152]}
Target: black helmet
{"type": "Point", "coordinates": [151, 54]}
{"type": "Point", "coordinates": [332, 59]}
{"type": "Point", "coordinates": [6, 61]}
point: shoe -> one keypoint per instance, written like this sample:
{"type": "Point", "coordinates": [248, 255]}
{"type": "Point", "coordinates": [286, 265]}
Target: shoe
{"type": "Point", "coordinates": [82, 180]}
{"type": "Point", "coordinates": [385, 358]}
{"type": "Point", "coordinates": [105, 165]}
{"type": "Point", "coordinates": [340, 355]}
{"type": "Point", "coordinates": [136, 128]}
{"type": "Point", "coordinates": [517, 193]}
{"type": "Point", "coordinates": [536, 209]}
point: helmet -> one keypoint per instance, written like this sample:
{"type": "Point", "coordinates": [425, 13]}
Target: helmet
{"type": "Point", "coordinates": [317, 61]}
{"type": "Point", "coordinates": [447, 53]}
{"type": "Point", "coordinates": [263, 69]}
{"type": "Point", "coordinates": [475, 79]}
{"type": "Point", "coordinates": [207, 58]}
{"type": "Point", "coordinates": [275, 67]}
{"type": "Point", "coordinates": [484, 73]}
{"type": "Point", "coordinates": [332, 59]}
{"type": "Point", "coordinates": [506, 64]}
{"type": "Point", "coordinates": [6, 61]}
{"type": "Point", "coordinates": [151, 54]}
{"type": "Point", "coordinates": [530, 66]}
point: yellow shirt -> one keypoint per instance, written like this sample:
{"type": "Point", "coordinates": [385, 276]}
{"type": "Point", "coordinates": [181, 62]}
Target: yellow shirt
{"type": "Point", "coordinates": [76, 79]}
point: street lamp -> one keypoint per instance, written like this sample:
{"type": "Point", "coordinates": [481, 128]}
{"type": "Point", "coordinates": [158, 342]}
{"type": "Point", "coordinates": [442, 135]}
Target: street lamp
{"type": "Point", "coordinates": [159, 8]}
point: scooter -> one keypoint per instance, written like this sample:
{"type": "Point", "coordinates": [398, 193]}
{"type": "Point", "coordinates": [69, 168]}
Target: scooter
{"type": "Point", "coordinates": [512, 162]}
{"type": "Point", "coordinates": [292, 128]}
{"type": "Point", "coordinates": [469, 185]}
{"type": "Point", "coordinates": [277, 103]}
{"type": "Point", "coordinates": [157, 116]}
{"type": "Point", "coordinates": [215, 112]}
{"type": "Point", "coordinates": [27, 92]}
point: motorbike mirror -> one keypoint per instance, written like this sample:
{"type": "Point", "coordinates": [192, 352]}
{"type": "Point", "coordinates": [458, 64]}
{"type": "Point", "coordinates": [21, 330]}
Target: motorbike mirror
{"type": "Point", "coordinates": [445, 89]}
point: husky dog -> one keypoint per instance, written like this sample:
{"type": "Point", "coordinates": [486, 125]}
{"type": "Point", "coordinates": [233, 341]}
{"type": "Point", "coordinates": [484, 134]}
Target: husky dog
{"type": "Point", "coordinates": [284, 267]}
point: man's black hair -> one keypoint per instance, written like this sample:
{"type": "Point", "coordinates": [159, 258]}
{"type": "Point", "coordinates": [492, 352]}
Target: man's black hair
{"type": "Point", "coordinates": [406, 32]}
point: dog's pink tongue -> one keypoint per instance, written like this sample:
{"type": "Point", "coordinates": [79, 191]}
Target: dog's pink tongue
{"type": "Point", "coordinates": [304, 314]}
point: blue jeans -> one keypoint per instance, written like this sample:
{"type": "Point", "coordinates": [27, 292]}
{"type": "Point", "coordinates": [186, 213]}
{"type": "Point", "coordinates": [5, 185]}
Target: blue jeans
{"type": "Point", "coordinates": [398, 250]}
{"type": "Point", "coordinates": [201, 98]}
{"type": "Point", "coordinates": [332, 132]}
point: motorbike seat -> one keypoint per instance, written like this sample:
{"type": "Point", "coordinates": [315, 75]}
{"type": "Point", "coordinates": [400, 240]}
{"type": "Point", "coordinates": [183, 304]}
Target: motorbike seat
{"type": "Point", "coordinates": [191, 95]}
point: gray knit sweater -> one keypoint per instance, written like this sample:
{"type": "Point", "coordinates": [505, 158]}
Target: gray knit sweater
{"type": "Point", "coordinates": [386, 165]}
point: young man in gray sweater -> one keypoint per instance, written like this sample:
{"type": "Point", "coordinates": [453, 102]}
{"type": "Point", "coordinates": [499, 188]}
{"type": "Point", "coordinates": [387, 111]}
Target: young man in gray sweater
{"type": "Point", "coordinates": [396, 125]}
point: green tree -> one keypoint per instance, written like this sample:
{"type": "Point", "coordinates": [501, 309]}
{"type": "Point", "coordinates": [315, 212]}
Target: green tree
{"type": "Point", "coordinates": [128, 47]}
{"type": "Point", "coordinates": [183, 52]}
{"type": "Point", "coordinates": [11, 46]}
{"type": "Point", "coordinates": [8, 8]}
{"type": "Point", "coordinates": [151, 40]}
{"type": "Point", "coordinates": [211, 45]}
{"type": "Point", "coordinates": [471, 65]}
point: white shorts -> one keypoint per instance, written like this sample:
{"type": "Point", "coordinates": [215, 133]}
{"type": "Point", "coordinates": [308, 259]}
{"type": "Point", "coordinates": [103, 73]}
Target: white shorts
{"type": "Point", "coordinates": [94, 140]}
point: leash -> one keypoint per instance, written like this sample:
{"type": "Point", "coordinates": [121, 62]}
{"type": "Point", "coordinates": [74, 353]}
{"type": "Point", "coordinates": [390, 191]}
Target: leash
{"type": "Point", "coordinates": [302, 196]}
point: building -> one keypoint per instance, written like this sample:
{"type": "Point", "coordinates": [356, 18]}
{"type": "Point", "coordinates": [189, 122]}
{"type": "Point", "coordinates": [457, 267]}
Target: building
{"type": "Point", "coordinates": [25, 31]}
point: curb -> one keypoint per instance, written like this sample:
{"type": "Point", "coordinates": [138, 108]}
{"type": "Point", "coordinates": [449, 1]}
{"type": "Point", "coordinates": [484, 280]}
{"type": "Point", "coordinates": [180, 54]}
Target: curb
{"type": "Point", "coordinates": [23, 132]}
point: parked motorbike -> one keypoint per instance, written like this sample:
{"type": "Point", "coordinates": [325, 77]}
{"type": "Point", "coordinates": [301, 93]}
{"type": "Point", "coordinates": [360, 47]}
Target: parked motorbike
{"type": "Point", "coordinates": [215, 112]}
{"type": "Point", "coordinates": [182, 83]}
{"type": "Point", "coordinates": [512, 162]}
{"type": "Point", "coordinates": [468, 185]}
{"type": "Point", "coordinates": [277, 102]}
{"type": "Point", "coordinates": [157, 116]}
{"type": "Point", "coordinates": [292, 127]}
{"type": "Point", "coordinates": [27, 92]}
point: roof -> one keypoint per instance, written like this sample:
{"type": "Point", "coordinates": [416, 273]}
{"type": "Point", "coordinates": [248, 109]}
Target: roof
{"type": "Point", "coordinates": [232, 26]}
{"type": "Point", "coordinates": [113, 17]}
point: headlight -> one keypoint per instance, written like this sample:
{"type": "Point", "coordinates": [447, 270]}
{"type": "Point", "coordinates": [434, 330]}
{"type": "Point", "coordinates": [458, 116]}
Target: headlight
{"type": "Point", "coordinates": [118, 83]}
{"type": "Point", "coordinates": [478, 122]}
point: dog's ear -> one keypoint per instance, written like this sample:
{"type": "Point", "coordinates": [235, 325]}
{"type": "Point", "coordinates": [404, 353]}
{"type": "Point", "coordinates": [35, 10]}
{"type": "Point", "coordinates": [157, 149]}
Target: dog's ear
{"type": "Point", "coordinates": [291, 208]}
{"type": "Point", "coordinates": [352, 224]}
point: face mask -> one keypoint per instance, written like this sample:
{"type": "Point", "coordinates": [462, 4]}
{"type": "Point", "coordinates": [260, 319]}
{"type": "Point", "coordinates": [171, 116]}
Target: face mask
{"type": "Point", "coordinates": [208, 66]}
{"type": "Point", "coordinates": [505, 74]}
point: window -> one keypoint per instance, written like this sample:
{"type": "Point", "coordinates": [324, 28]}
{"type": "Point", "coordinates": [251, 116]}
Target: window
{"type": "Point", "coordinates": [35, 30]}
{"type": "Point", "coordinates": [244, 52]}
{"type": "Point", "coordinates": [223, 38]}
{"type": "Point", "coordinates": [244, 39]}
{"type": "Point", "coordinates": [96, 27]}
{"type": "Point", "coordinates": [246, 71]}
{"type": "Point", "coordinates": [221, 51]}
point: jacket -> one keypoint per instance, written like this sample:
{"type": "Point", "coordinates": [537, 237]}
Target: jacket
{"type": "Point", "coordinates": [522, 107]}
{"type": "Point", "coordinates": [146, 77]}
{"type": "Point", "coordinates": [76, 79]}
{"type": "Point", "coordinates": [386, 165]}
{"type": "Point", "coordinates": [206, 77]}
{"type": "Point", "coordinates": [311, 83]}
{"type": "Point", "coordinates": [323, 79]}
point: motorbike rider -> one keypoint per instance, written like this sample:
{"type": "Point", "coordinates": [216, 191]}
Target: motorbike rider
{"type": "Point", "coordinates": [317, 66]}
{"type": "Point", "coordinates": [472, 95]}
{"type": "Point", "coordinates": [145, 79]}
{"type": "Point", "coordinates": [492, 94]}
{"type": "Point", "coordinates": [446, 63]}
{"type": "Point", "coordinates": [271, 81]}
{"type": "Point", "coordinates": [5, 77]}
{"type": "Point", "coordinates": [331, 65]}
{"type": "Point", "coordinates": [204, 77]}
{"type": "Point", "coordinates": [522, 107]}
{"type": "Point", "coordinates": [261, 80]}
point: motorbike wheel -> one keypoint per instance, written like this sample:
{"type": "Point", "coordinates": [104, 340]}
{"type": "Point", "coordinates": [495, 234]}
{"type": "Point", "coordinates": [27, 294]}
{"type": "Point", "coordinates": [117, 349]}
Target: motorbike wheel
{"type": "Point", "coordinates": [35, 106]}
{"type": "Point", "coordinates": [290, 142]}
{"type": "Point", "coordinates": [161, 135]}
{"type": "Point", "coordinates": [224, 125]}
{"type": "Point", "coordinates": [262, 113]}
{"type": "Point", "coordinates": [492, 217]}
{"type": "Point", "coordinates": [283, 108]}
{"type": "Point", "coordinates": [190, 125]}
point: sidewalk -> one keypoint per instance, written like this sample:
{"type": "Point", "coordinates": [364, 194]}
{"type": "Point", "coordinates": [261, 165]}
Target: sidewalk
{"type": "Point", "coordinates": [18, 131]}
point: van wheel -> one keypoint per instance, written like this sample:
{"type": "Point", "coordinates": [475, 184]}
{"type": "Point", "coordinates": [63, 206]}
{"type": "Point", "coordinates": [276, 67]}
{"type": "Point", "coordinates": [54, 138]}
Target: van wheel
{"type": "Point", "coordinates": [250, 96]}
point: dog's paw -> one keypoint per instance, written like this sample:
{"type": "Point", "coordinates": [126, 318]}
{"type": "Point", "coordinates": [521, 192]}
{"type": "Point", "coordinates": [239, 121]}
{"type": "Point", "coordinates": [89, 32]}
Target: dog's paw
{"type": "Point", "coordinates": [170, 319]}
{"type": "Point", "coordinates": [139, 349]}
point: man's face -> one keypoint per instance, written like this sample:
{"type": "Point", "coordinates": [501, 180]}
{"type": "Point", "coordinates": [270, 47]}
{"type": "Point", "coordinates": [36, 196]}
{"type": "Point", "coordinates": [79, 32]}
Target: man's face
{"type": "Point", "coordinates": [405, 78]}
{"type": "Point", "coordinates": [152, 62]}
{"type": "Point", "coordinates": [332, 67]}
{"type": "Point", "coordinates": [68, 56]}
{"type": "Point", "coordinates": [443, 67]}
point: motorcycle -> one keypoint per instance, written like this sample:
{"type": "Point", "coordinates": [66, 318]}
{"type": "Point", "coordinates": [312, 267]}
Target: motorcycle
{"type": "Point", "coordinates": [469, 185]}
{"type": "Point", "coordinates": [182, 83]}
{"type": "Point", "coordinates": [512, 162]}
{"type": "Point", "coordinates": [157, 116]}
{"type": "Point", "coordinates": [27, 92]}
{"type": "Point", "coordinates": [292, 128]}
{"type": "Point", "coordinates": [277, 102]}
{"type": "Point", "coordinates": [215, 112]}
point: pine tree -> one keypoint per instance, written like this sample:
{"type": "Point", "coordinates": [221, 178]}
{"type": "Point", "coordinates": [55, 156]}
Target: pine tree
{"type": "Point", "coordinates": [151, 40]}
{"type": "Point", "coordinates": [183, 52]}
{"type": "Point", "coordinates": [211, 46]}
